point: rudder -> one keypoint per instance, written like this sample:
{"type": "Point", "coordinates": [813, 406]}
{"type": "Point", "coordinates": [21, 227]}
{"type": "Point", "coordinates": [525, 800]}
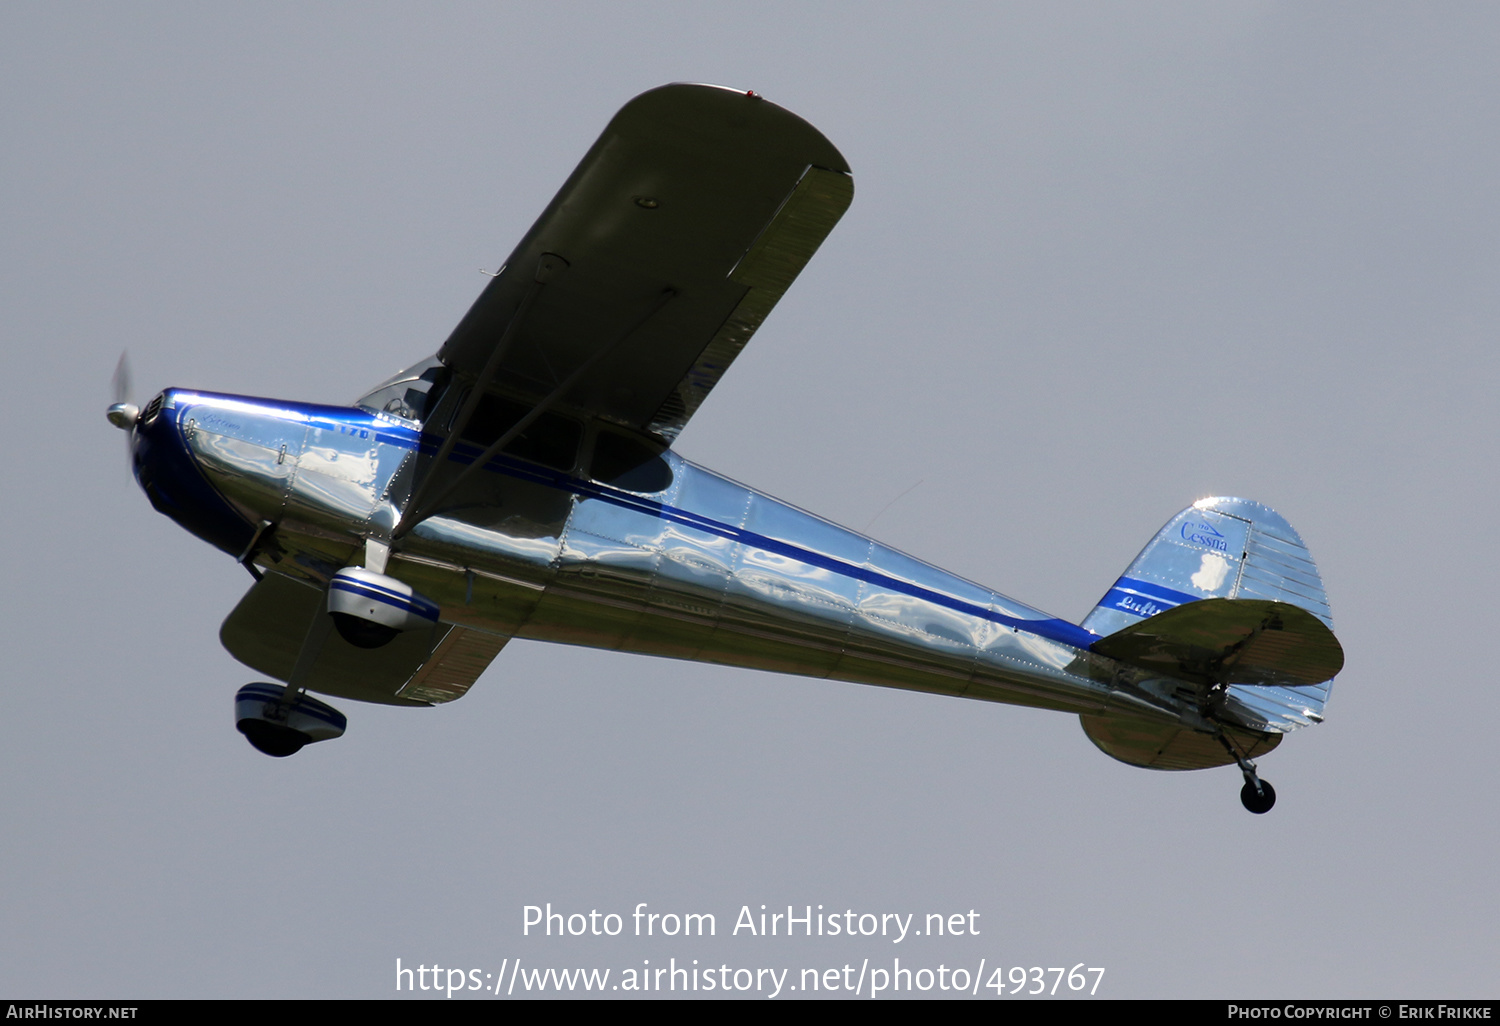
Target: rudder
{"type": "Point", "coordinates": [1225, 548]}
{"type": "Point", "coordinates": [1216, 548]}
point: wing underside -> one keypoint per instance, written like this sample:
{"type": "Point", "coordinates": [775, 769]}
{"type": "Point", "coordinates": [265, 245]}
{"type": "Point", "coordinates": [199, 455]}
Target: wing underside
{"type": "Point", "coordinates": [660, 256]}
{"type": "Point", "coordinates": [427, 667]}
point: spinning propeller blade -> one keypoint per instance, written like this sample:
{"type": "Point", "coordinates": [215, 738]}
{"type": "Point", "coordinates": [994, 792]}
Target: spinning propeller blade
{"type": "Point", "coordinates": [121, 380]}
{"type": "Point", "coordinates": [122, 413]}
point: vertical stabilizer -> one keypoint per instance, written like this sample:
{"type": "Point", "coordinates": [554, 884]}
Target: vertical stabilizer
{"type": "Point", "coordinates": [1216, 548]}
{"type": "Point", "coordinates": [1229, 549]}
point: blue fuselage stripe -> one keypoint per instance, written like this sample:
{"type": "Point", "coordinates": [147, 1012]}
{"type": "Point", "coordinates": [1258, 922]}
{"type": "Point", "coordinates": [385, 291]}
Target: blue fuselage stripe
{"type": "Point", "coordinates": [343, 419]}
{"type": "Point", "coordinates": [1151, 590]}
{"type": "Point", "coordinates": [1055, 630]}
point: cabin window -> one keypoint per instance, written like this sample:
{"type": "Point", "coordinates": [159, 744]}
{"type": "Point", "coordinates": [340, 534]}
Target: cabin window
{"type": "Point", "coordinates": [411, 394]}
{"type": "Point", "coordinates": [629, 462]}
{"type": "Point", "coordinates": [551, 440]}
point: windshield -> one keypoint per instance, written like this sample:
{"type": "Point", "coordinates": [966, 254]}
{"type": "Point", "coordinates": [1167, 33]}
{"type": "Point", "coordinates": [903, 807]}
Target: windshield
{"type": "Point", "coordinates": [409, 394]}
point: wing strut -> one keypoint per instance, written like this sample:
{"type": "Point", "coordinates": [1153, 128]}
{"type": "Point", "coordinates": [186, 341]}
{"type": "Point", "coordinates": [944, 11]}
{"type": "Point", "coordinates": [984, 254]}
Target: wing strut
{"type": "Point", "coordinates": [416, 512]}
{"type": "Point", "coordinates": [307, 655]}
{"type": "Point", "coordinates": [548, 266]}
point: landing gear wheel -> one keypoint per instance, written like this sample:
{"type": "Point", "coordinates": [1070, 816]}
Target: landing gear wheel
{"type": "Point", "coordinates": [1258, 803]}
{"type": "Point", "coordinates": [363, 633]}
{"type": "Point", "coordinates": [272, 738]}
{"type": "Point", "coordinates": [279, 724]}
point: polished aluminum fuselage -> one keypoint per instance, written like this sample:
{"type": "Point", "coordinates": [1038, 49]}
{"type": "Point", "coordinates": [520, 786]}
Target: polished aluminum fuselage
{"type": "Point", "coordinates": [704, 568]}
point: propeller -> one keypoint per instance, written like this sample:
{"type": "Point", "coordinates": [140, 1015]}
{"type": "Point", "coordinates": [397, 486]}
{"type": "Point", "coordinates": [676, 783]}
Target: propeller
{"type": "Point", "coordinates": [122, 413]}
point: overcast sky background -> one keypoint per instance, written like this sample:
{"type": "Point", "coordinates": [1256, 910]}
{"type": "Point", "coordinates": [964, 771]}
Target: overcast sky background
{"type": "Point", "coordinates": [1102, 260]}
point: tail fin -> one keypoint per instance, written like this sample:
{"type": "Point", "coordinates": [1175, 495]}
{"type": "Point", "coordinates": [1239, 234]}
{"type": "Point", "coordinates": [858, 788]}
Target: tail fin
{"type": "Point", "coordinates": [1225, 548]}
{"type": "Point", "coordinates": [1216, 548]}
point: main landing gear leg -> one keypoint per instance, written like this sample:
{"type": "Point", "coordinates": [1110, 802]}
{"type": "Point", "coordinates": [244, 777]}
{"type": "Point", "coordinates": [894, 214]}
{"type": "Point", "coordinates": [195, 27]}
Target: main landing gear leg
{"type": "Point", "coordinates": [1257, 795]}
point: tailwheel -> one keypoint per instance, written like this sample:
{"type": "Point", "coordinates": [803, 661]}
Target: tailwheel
{"type": "Point", "coordinates": [1258, 801]}
{"type": "Point", "coordinates": [1257, 795]}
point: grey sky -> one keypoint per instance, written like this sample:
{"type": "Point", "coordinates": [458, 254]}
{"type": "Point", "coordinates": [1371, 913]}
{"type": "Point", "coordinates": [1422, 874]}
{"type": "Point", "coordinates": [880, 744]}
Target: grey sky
{"type": "Point", "coordinates": [1102, 261]}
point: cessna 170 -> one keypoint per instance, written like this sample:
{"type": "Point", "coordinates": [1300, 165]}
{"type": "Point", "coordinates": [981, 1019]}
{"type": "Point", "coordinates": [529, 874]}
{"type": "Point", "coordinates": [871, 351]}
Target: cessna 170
{"type": "Point", "coordinates": [521, 483]}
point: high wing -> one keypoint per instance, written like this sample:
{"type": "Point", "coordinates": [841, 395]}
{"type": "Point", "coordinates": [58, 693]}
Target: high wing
{"type": "Point", "coordinates": [658, 259]}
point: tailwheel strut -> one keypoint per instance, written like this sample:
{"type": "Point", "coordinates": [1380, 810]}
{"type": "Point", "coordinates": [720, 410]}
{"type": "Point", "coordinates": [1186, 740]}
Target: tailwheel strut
{"type": "Point", "coordinates": [1257, 795]}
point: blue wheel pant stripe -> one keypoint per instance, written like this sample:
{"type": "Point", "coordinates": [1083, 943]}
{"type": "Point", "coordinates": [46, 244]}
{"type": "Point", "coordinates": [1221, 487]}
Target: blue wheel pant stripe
{"type": "Point", "coordinates": [406, 605]}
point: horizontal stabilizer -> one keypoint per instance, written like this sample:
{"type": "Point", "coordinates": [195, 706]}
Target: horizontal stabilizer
{"type": "Point", "coordinates": [1168, 746]}
{"type": "Point", "coordinates": [1231, 641]}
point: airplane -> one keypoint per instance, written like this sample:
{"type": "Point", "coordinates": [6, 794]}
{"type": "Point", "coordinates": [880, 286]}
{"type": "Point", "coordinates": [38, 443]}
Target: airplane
{"type": "Point", "coordinates": [521, 483]}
